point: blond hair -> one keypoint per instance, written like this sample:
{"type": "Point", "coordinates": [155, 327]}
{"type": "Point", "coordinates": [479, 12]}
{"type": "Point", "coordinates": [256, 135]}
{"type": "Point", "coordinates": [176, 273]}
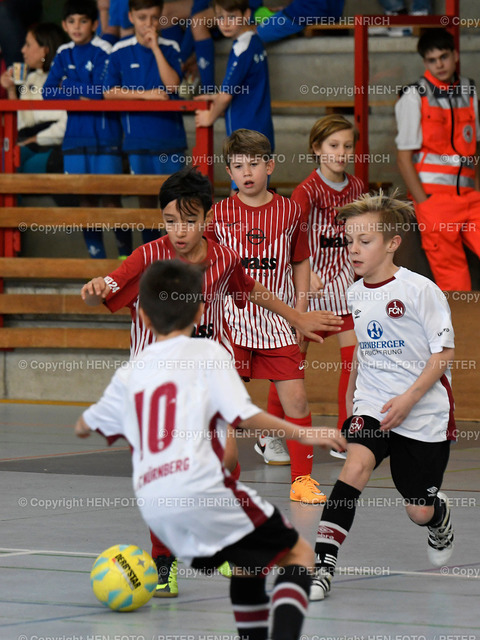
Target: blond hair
{"type": "Point", "coordinates": [245, 142]}
{"type": "Point", "coordinates": [328, 125]}
{"type": "Point", "coordinates": [395, 216]}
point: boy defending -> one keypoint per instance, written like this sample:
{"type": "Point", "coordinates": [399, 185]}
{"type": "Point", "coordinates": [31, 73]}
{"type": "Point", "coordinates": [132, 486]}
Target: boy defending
{"type": "Point", "coordinates": [177, 457]}
{"type": "Point", "coordinates": [399, 393]}
{"type": "Point", "coordinates": [267, 232]}
{"type": "Point", "coordinates": [244, 94]}
{"type": "Point", "coordinates": [438, 133]}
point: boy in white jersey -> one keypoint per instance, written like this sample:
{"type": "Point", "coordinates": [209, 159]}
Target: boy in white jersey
{"type": "Point", "coordinates": [399, 393]}
{"type": "Point", "coordinates": [173, 404]}
{"type": "Point", "coordinates": [266, 230]}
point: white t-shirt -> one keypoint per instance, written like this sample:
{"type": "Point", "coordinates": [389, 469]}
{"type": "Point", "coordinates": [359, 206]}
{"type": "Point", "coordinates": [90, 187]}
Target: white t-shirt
{"type": "Point", "coordinates": [32, 90]}
{"type": "Point", "coordinates": [399, 325]}
{"type": "Point", "coordinates": [173, 403]}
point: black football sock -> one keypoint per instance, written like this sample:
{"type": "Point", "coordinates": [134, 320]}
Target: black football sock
{"type": "Point", "coordinates": [337, 518]}
{"type": "Point", "coordinates": [250, 607]}
{"type": "Point", "coordinates": [290, 601]}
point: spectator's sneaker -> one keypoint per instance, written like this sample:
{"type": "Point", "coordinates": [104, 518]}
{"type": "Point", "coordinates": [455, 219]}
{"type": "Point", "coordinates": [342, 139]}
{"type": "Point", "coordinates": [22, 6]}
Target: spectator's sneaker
{"type": "Point", "coordinates": [392, 32]}
{"type": "Point", "coordinates": [189, 87]}
{"type": "Point", "coordinates": [167, 577]}
{"type": "Point", "coordinates": [304, 489]}
{"type": "Point", "coordinates": [225, 569]}
{"type": "Point", "coordinates": [321, 583]}
{"type": "Point", "coordinates": [440, 539]}
{"type": "Point", "coordinates": [261, 14]}
{"type": "Point", "coordinates": [272, 450]}
{"type": "Point", "coordinates": [342, 455]}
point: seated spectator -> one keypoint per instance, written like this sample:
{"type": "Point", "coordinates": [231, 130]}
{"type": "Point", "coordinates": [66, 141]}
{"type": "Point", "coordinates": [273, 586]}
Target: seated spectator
{"type": "Point", "coordinates": [40, 133]}
{"type": "Point", "coordinates": [399, 8]}
{"type": "Point", "coordinates": [295, 17]}
{"type": "Point", "coordinates": [198, 15]}
{"type": "Point", "coordinates": [113, 20]}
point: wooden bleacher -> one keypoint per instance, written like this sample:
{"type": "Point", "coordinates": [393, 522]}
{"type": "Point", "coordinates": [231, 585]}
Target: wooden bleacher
{"type": "Point", "coordinates": [59, 271]}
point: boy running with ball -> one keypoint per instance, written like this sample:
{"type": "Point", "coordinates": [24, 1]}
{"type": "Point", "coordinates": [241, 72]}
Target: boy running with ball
{"type": "Point", "coordinates": [399, 395]}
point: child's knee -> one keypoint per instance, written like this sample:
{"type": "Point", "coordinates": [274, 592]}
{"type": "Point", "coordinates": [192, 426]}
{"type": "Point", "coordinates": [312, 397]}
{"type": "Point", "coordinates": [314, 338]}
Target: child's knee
{"type": "Point", "coordinates": [358, 467]}
{"type": "Point", "coordinates": [297, 402]}
{"type": "Point", "coordinates": [419, 514]}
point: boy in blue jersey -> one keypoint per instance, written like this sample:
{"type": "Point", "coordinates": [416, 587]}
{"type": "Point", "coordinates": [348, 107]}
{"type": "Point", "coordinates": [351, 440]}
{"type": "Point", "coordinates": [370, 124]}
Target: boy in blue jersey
{"type": "Point", "coordinates": [92, 140]}
{"type": "Point", "coordinates": [245, 91]}
{"type": "Point", "coordinates": [147, 67]}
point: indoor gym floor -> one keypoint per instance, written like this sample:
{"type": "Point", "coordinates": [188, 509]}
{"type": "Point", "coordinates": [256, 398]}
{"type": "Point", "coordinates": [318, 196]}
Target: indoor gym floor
{"type": "Point", "coordinates": [65, 500]}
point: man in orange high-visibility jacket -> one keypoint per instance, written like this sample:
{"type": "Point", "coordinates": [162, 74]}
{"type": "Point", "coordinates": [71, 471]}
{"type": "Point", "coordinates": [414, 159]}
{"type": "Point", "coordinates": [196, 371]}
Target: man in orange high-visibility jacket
{"type": "Point", "coordinates": [438, 131]}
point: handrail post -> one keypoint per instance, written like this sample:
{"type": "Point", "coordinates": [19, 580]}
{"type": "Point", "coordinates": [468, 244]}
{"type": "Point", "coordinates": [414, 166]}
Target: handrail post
{"type": "Point", "coordinates": [11, 237]}
{"type": "Point", "coordinates": [361, 72]}
{"type": "Point", "coordinates": [361, 75]}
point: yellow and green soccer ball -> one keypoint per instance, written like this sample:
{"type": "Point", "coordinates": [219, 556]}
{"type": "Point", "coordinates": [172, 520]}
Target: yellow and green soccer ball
{"type": "Point", "coordinates": [124, 577]}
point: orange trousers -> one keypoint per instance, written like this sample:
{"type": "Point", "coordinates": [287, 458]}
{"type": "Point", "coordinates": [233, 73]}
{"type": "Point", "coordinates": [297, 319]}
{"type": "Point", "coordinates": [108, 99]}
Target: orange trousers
{"type": "Point", "coordinates": [447, 222]}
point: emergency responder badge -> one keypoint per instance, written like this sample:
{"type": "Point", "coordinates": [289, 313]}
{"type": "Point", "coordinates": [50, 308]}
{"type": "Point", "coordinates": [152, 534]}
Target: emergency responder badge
{"type": "Point", "coordinates": [468, 133]}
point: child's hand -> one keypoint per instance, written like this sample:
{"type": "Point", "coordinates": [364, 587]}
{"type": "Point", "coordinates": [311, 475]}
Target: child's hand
{"type": "Point", "coordinates": [398, 409]}
{"type": "Point", "coordinates": [312, 321]}
{"type": "Point", "coordinates": [325, 437]}
{"type": "Point", "coordinates": [82, 430]}
{"type": "Point", "coordinates": [96, 287]}
{"type": "Point", "coordinates": [204, 96]}
{"type": "Point", "coordinates": [202, 119]}
{"type": "Point", "coordinates": [155, 94]}
{"type": "Point", "coordinates": [150, 38]}
{"type": "Point", "coordinates": [316, 285]}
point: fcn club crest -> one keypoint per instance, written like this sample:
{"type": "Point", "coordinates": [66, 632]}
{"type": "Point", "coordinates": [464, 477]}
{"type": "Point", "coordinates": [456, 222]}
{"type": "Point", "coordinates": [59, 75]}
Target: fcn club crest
{"type": "Point", "coordinates": [356, 424]}
{"type": "Point", "coordinates": [395, 309]}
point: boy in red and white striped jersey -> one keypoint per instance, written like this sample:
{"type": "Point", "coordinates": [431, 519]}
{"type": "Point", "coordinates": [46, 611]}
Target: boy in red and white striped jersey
{"type": "Point", "coordinates": [332, 141]}
{"type": "Point", "coordinates": [186, 201]}
{"type": "Point", "coordinates": [268, 233]}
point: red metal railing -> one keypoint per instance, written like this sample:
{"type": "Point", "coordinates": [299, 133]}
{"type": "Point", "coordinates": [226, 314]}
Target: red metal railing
{"type": "Point", "coordinates": [202, 152]}
{"type": "Point", "coordinates": [361, 72]}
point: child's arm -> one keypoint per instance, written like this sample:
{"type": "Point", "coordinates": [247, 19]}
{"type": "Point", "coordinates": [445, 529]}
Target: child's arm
{"type": "Point", "coordinates": [326, 437]}
{"type": "Point", "coordinates": [122, 93]}
{"type": "Point", "coordinates": [106, 416]}
{"type": "Point", "coordinates": [168, 75]}
{"type": "Point", "coordinates": [301, 282]}
{"type": "Point", "coordinates": [220, 103]}
{"type": "Point", "coordinates": [352, 382]}
{"type": "Point", "coordinates": [400, 406]}
{"type": "Point", "coordinates": [306, 323]}
{"type": "Point", "coordinates": [94, 292]}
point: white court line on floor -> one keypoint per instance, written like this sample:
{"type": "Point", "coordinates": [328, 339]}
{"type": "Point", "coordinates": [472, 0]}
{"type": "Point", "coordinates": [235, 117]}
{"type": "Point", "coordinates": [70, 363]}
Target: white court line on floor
{"type": "Point", "coordinates": [343, 572]}
{"type": "Point", "coordinates": [6, 552]}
